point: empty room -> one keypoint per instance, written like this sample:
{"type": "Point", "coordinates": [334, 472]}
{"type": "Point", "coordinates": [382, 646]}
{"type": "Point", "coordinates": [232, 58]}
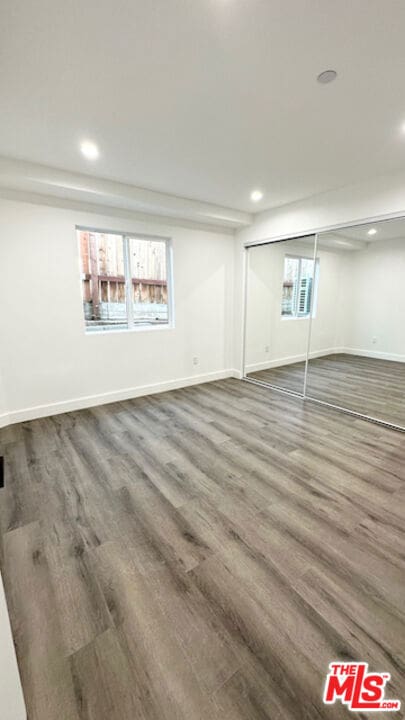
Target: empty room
{"type": "Point", "coordinates": [202, 360]}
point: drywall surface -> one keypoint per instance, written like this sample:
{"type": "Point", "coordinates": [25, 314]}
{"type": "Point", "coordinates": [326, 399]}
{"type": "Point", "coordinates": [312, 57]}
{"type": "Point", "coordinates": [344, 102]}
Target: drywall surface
{"type": "Point", "coordinates": [375, 301]}
{"type": "Point", "coordinates": [50, 364]}
{"type": "Point", "coordinates": [12, 705]}
{"type": "Point", "coordinates": [3, 403]}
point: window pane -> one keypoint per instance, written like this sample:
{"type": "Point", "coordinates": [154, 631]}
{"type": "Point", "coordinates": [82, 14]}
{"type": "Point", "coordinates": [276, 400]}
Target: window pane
{"type": "Point", "coordinates": [290, 286]}
{"type": "Point", "coordinates": [305, 290]}
{"type": "Point", "coordinates": [149, 281]}
{"type": "Point", "coordinates": [298, 283]}
{"type": "Point", "coordinates": [103, 280]}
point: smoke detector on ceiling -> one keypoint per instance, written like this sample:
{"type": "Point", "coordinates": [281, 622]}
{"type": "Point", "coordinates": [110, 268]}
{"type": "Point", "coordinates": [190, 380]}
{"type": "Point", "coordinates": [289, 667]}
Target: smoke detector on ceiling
{"type": "Point", "coordinates": [327, 76]}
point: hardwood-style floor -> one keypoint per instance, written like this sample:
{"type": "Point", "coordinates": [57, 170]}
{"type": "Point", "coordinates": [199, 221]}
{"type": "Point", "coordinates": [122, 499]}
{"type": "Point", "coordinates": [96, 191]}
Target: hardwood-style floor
{"type": "Point", "coordinates": [369, 386]}
{"type": "Point", "coordinates": [202, 554]}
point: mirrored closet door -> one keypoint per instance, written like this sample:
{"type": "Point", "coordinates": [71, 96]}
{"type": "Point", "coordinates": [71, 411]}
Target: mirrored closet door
{"type": "Point", "coordinates": [280, 290]}
{"type": "Point", "coordinates": [325, 318]}
{"type": "Point", "coordinates": [357, 350]}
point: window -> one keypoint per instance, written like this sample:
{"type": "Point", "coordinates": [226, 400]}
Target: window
{"type": "Point", "coordinates": [124, 280]}
{"type": "Point", "coordinates": [299, 283]}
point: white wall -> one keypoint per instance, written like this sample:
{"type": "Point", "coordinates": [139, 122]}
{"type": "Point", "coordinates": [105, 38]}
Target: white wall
{"type": "Point", "coordinates": [328, 328]}
{"type": "Point", "coordinates": [47, 360]}
{"type": "Point", "coordinates": [49, 363]}
{"type": "Point", "coordinates": [3, 402]}
{"type": "Point", "coordinates": [372, 308]}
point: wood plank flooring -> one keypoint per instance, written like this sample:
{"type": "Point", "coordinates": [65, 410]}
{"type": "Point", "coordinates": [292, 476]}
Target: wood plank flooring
{"type": "Point", "coordinates": [367, 385]}
{"type": "Point", "coordinates": [202, 554]}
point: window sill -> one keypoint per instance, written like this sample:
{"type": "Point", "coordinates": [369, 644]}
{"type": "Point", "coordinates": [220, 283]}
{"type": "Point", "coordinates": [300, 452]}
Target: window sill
{"type": "Point", "coordinates": [119, 331]}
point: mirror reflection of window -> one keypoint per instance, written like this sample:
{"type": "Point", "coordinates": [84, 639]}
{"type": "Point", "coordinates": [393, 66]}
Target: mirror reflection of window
{"type": "Point", "coordinates": [299, 283]}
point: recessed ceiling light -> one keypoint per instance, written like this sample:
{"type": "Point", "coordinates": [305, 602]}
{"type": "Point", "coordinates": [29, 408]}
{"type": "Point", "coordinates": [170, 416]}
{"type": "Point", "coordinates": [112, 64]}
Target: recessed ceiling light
{"type": "Point", "coordinates": [327, 76]}
{"type": "Point", "coordinates": [372, 231]}
{"type": "Point", "coordinates": [256, 195]}
{"type": "Point", "coordinates": [89, 150]}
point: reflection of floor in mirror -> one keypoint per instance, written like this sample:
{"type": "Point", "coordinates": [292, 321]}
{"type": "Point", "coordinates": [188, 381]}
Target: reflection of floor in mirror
{"type": "Point", "coordinates": [366, 385]}
{"type": "Point", "coordinates": [290, 377]}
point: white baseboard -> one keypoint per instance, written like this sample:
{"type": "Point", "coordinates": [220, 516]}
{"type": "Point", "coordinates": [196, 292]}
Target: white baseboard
{"type": "Point", "coordinates": [279, 362]}
{"type": "Point", "coordinates": [33, 413]}
{"type": "Point", "coordinates": [81, 403]}
{"type": "Point", "coordinates": [290, 360]}
{"type": "Point", "coordinates": [394, 357]}
{"type": "Point", "coordinates": [268, 364]}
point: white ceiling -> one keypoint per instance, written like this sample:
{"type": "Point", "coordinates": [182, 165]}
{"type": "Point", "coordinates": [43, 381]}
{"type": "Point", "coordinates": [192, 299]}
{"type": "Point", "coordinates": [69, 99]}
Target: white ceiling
{"type": "Point", "coordinates": [206, 99]}
{"type": "Point", "coordinates": [357, 237]}
{"type": "Point", "coordinates": [386, 230]}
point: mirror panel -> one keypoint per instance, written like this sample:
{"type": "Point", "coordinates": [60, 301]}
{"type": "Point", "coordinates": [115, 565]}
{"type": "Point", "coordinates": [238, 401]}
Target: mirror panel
{"type": "Point", "coordinates": [281, 290]}
{"type": "Point", "coordinates": [357, 349]}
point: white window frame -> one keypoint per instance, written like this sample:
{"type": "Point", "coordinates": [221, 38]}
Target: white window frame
{"type": "Point", "coordinates": [315, 281]}
{"type": "Point", "coordinates": [132, 325]}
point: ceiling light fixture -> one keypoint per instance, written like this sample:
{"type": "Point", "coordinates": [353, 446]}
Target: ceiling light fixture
{"type": "Point", "coordinates": [327, 76]}
{"type": "Point", "coordinates": [89, 150]}
{"type": "Point", "coordinates": [372, 231]}
{"type": "Point", "coordinates": [256, 195]}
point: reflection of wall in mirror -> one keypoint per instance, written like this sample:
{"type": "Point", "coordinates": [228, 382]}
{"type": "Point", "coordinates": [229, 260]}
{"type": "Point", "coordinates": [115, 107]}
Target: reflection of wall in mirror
{"type": "Point", "coordinates": [375, 301]}
{"type": "Point", "coordinates": [286, 337]}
